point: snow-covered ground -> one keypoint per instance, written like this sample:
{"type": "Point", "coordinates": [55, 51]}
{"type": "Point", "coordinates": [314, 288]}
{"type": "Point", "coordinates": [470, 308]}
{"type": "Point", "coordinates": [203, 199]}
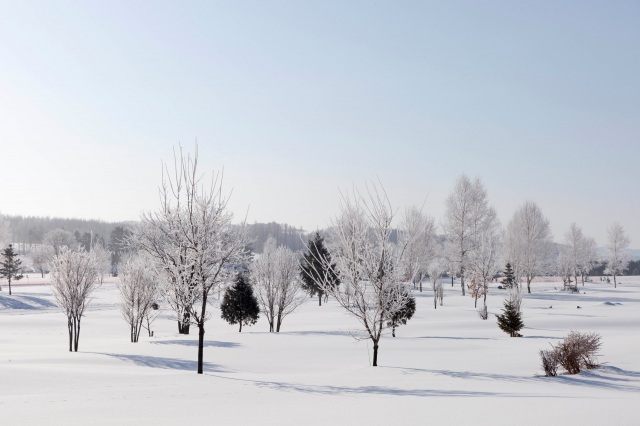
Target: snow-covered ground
{"type": "Point", "coordinates": [445, 367]}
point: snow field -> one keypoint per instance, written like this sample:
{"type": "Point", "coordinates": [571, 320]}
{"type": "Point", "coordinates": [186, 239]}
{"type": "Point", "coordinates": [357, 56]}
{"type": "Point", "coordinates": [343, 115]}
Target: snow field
{"type": "Point", "coordinates": [446, 366]}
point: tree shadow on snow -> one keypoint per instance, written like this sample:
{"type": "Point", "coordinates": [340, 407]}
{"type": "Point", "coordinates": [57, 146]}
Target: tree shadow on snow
{"type": "Point", "coordinates": [320, 333]}
{"type": "Point", "coordinates": [370, 390]}
{"type": "Point", "coordinates": [455, 338]}
{"type": "Point", "coordinates": [599, 379]}
{"type": "Point", "coordinates": [167, 363]}
{"type": "Point", "coordinates": [207, 343]}
{"type": "Point", "coordinates": [25, 302]}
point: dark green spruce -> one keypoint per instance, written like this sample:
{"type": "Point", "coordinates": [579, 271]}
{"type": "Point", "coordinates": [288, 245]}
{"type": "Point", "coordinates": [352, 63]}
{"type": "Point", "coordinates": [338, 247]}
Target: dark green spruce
{"type": "Point", "coordinates": [10, 266]}
{"type": "Point", "coordinates": [239, 305]}
{"type": "Point", "coordinates": [316, 267]}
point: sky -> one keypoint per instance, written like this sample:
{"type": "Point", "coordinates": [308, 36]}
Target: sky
{"type": "Point", "coordinates": [297, 101]}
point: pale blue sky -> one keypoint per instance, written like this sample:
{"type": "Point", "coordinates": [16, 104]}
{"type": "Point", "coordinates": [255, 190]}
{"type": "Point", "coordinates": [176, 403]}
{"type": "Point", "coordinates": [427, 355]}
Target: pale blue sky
{"type": "Point", "coordinates": [298, 99]}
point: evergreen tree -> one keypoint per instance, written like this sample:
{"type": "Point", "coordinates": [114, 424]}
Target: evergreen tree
{"type": "Point", "coordinates": [313, 268]}
{"type": "Point", "coordinates": [10, 266]}
{"type": "Point", "coordinates": [401, 316]}
{"type": "Point", "coordinates": [239, 305]}
{"type": "Point", "coordinates": [509, 279]}
{"type": "Point", "coordinates": [511, 320]}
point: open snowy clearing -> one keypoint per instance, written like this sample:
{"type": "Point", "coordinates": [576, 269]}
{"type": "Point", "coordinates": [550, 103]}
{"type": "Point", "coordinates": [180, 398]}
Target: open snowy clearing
{"type": "Point", "coordinates": [446, 366]}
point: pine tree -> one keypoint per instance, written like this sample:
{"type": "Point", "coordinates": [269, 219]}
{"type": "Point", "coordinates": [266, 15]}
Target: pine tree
{"type": "Point", "coordinates": [313, 268]}
{"type": "Point", "coordinates": [11, 266]}
{"type": "Point", "coordinates": [239, 305]}
{"type": "Point", "coordinates": [511, 320]}
{"type": "Point", "coordinates": [509, 279]}
{"type": "Point", "coordinates": [401, 316]}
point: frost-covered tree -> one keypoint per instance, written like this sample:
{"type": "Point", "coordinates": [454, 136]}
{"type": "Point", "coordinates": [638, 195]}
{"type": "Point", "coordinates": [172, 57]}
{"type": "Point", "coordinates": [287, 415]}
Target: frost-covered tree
{"type": "Point", "coordinates": [588, 257]}
{"type": "Point", "coordinates": [316, 266]}
{"type": "Point", "coordinates": [486, 255]}
{"type": "Point", "coordinates": [617, 259]}
{"type": "Point", "coordinates": [277, 283]}
{"type": "Point", "coordinates": [565, 266]}
{"type": "Point", "coordinates": [40, 257]}
{"type": "Point", "coordinates": [5, 232]}
{"type": "Point", "coordinates": [74, 276]}
{"type": "Point", "coordinates": [239, 305]}
{"type": "Point", "coordinates": [417, 235]}
{"type": "Point", "coordinates": [529, 243]}
{"type": "Point", "coordinates": [138, 290]}
{"type": "Point", "coordinates": [10, 266]}
{"type": "Point", "coordinates": [436, 269]}
{"type": "Point", "coordinates": [368, 263]}
{"type": "Point", "coordinates": [103, 260]}
{"type": "Point", "coordinates": [192, 240]}
{"type": "Point", "coordinates": [575, 252]}
{"type": "Point", "coordinates": [58, 238]}
{"type": "Point", "coordinates": [466, 210]}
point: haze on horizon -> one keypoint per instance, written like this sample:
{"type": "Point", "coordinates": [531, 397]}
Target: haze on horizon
{"type": "Point", "coordinates": [299, 101]}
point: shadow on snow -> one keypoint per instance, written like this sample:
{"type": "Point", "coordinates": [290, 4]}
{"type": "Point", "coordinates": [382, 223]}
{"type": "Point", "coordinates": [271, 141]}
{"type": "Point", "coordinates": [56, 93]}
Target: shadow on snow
{"type": "Point", "coordinates": [25, 302]}
{"type": "Point", "coordinates": [207, 343]}
{"type": "Point", "coordinates": [167, 363]}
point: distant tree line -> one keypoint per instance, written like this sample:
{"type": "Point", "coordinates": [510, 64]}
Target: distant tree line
{"type": "Point", "coordinates": [29, 231]}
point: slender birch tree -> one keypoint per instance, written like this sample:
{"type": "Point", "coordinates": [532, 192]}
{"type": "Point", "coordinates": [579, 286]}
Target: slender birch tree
{"type": "Point", "coordinates": [529, 243]}
{"type": "Point", "coordinates": [277, 283]}
{"type": "Point", "coordinates": [618, 259]}
{"type": "Point", "coordinates": [138, 292]}
{"type": "Point", "coordinates": [368, 263]}
{"type": "Point", "coordinates": [417, 233]}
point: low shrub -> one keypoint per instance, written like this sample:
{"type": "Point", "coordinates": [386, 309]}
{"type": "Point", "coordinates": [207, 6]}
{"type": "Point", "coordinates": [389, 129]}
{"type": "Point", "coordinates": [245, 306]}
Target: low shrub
{"type": "Point", "coordinates": [576, 352]}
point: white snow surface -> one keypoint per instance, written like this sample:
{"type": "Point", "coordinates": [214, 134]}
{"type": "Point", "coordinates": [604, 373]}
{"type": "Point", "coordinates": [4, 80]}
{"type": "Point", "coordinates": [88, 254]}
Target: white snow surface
{"type": "Point", "coordinates": [446, 366]}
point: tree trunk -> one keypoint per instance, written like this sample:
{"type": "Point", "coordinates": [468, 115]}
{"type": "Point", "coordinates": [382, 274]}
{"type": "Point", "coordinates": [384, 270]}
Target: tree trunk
{"type": "Point", "coordinates": [451, 280]}
{"type": "Point", "coordinates": [200, 346]}
{"type": "Point", "coordinates": [279, 323]}
{"type": "Point", "coordinates": [9, 279]}
{"type": "Point", "coordinates": [375, 354]}
{"type": "Point", "coordinates": [615, 285]}
{"type": "Point", "coordinates": [462, 283]}
{"type": "Point", "coordinates": [529, 285]}
{"type": "Point", "coordinates": [70, 334]}
{"type": "Point", "coordinates": [240, 331]}
{"type": "Point", "coordinates": [183, 326]}
{"type": "Point", "coordinates": [319, 298]}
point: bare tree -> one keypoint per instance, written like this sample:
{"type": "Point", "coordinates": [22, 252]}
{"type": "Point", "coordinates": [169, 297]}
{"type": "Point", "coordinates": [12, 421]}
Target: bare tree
{"type": "Point", "coordinates": [193, 241]}
{"type": "Point", "coordinates": [588, 257]}
{"type": "Point", "coordinates": [529, 243]}
{"type": "Point", "coordinates": [74, 276]}
{"type": "Point", "coordinates": [417, 234]}
{"type": "Point", "coordinates": [368, 262]}
{"type": "Point", "coordinates": [574, 255]}
{"type": "Point", "coordinates": [138, 292]}
{"type": "Point", "coordinates": [5, 232]}
{"type": "Point", "coordinates": [103, 259]}
{"type": "Point", "coordinates": [435, 270]}
{"type": "Point", "coordinates": [617, 259]}
{"type": "Point", "coordinates": [277, 283]}
{"type": "Point", "coordinates": [59, 238]}
{"type": "Point", "coordinates": [565, 266]}
{"type": "Point", "coordinates": [41, 255]}
{"type": "Point", "coordinates": [466, 210]}
{"type": "Point", "coordinates": [485, 259]}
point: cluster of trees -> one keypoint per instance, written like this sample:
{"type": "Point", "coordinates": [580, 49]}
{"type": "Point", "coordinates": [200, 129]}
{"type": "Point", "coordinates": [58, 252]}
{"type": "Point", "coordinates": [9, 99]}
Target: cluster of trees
{"type": "Point", "coordinates": [27, 232]}
{"type": "Point", "coordinates": [189, 247]}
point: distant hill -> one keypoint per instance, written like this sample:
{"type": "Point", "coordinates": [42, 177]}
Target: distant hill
{"type": "Point", "coordinates": [634, 254]}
